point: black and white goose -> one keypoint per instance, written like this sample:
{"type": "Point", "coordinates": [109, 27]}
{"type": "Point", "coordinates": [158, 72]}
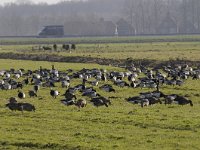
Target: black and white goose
{"type": "Point", "coordinates": [21, 95]}
{"type": "Point", "coordinates": [169, 99]}
{"type": "Point", "coordinates": [94, 83]}
{"type": "Point", "coordinates": [68, 102]}
{"type": "Point", "coordinates": [107, 88]}
{"type": "Point", "coordinates": [183, 100]}
{"type": "Point", "coordinates": [90, 94]}
{"type": "Point", "coordinates": [103, 77]}
{"type": "Point", "coordinates": [69, 98]}
{"type": "Point", "coordinates": [134, 100]}
{"type": "Point", "coordinates": [121, 83]}
{"type": "Point", "coordinates": [17, 76]}
{"type": "Point", "coordinates": [144, 102]}
{"type": "Point", "coordinates": [54, 93]}
{"type": "Point", "coordinates": [26, 81]}
{"type": "Point", "coordinates": [100, 101]}
{"type": "Point", "coordinates": [65, 84]}
{"type": "Point", "coordinates": [133, 84]}
{"type": "Point", "coordinates": [7, 86]}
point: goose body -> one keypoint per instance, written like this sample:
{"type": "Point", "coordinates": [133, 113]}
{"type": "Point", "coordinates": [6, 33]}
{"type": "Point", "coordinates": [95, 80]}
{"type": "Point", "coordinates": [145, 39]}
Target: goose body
{"type": "Point", "coordinates": [32, 93]}
{"type": "Point", "coordinates": [54, 93]}
{"type": "Point", "coordinates": [100, 101]}
{"type": "Point", "coordinates": [21, 95]}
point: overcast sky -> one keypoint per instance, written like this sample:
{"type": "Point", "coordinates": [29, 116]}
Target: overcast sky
{"type": "Point", "coordinates": [35, 1]}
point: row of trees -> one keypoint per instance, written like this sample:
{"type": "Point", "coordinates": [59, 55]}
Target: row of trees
{"type": "Point", "coordinates": [146, 16]}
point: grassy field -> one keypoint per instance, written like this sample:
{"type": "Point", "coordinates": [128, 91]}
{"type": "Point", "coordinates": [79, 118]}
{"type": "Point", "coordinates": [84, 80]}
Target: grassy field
{"type": "Point", "coordinates": [162, 51]}
{"type": "Point", "coordinates": [91, 40]}
{"type": "Point", "coordinates": [120, 126]}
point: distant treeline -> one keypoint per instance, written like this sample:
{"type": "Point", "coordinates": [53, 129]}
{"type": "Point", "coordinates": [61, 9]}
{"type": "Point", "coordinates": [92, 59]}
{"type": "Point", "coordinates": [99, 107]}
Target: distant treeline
{"type": "Point", "coordinates": [141, 16]}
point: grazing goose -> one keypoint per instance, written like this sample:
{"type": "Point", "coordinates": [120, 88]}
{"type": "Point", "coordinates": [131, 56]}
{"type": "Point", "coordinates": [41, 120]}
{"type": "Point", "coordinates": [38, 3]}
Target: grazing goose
{"type": "Point", "coordinates": [79, 87]}
{"type": "Point", "coordinates": [54, 93]}
{"type": "Point", "coordinates": [32, 93]}
{"type": "Point", "coordinates": [107, 88]}
{"type": "Point", "coordinates": [121, 83]}
{"type": "Point", "coordinates": [21, 95]}
{"type": "Point", "coordinates": [67, 78]}
{"type": "Point", "coordinates": [2, 82]}
{"type": "Point", "coordinates": [94, 83]}
{"type": "Point", "coordinates": [81, 103]}
{"type": "Point", "coordinates": [48, 84]}
{"type": "Point", "coordinates": [7, 86]}
{"type": "Point", "coordinates": [146, 95]}
{"type": "Point", "coordinates": [171, 82]}
{"type": "Point", "coordinates": [169, 99]}
{"type": "Point", "coordinates": [13, 106]}
{"type": "Point", "coordinates": [2, 73]}
{"type": "Point", "coordinates": [196, 76]}
{"type": "Point", "coordinates": [69, 96]}
{"type": "Point", "coordinates": [144, 102]}
{"type": "Point", "coordinates": [65, 84]}
{"type": "Point", "coordinates": [12, 100]}
{"type": "Point", "coordinates": [19, 85]}
{"type": "Point", "coordinates": [88, 89]}
{"type": "Point", "coordinates": [98, 77]}
{"type": "Point", "coordinates": [142, 84]}
{"type": "Point", "coordinates": [36, 88]}
{"type": "Point", "coordinates": [26, 107]}
{"type": "Point", "coordinates": [90, 94]}
{"type": "Point", "coordinates": [37, 76]}
{"type": "Point", "coordinates": [72, 90]}
{"type": "Point", "coordinates": [131, 78]}
{"type": "Point", "coordinates": [103, 77]}
{"type": "Point", "coordinates": [84, 81]}
{"type": "Point", "coordinates": [68, 102]}
{"type": "Point", "coordinates": [8, 75]}
{"type": "Point", "coordinates": [158, 94]}
{"type": "Point", "coordinates": [154, 100]}
{"type": "Point", "coordinates": [133, 84]}
{"type": "Point", "coordinates": [134, 100]}
{"type": "Point", "coordinates": [26, 81]}
{"type": "Point", "coordinates": [35, 81]}
{"type": "Point", "coordinates": [17, 76]}
{"type": "Point", "coordinates": [114, 79]}
{"type": "Point", "coordinates": [20, 106]}
{"type": "Point", "coordinates": [179, 82]}
{"type": "Point", "coordinates": [100, 101]}
{"type": "Point", "coordinates": [183, 101]}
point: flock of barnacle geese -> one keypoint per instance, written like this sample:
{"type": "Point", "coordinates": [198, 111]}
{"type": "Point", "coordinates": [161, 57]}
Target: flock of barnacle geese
{"type": "Point", "coordinates": [90, 78]}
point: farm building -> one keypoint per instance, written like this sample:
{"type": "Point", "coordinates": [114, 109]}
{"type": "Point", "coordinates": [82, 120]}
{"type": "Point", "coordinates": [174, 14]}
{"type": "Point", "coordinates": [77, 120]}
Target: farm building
{"type": "Point", "coordinates": [124, 28]}
{"type": "Point", "coordinates": [52, 30]}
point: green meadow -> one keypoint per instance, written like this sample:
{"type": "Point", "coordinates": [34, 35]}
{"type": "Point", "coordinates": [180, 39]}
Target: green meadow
{"type": "Point", "coordinates": [122, 125]}
{"type": "Point", "coordinates": [158, 51]}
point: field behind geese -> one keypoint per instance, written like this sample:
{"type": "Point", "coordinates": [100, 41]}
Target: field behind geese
{"type": "Point", "coordinates": [105, 49]}
{"type": "Point", "coordinates": [122, 125]}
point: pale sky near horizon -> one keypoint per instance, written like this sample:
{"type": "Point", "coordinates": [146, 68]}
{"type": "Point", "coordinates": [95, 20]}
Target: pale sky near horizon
{"type": "Point", "coordinates": [34, 1]}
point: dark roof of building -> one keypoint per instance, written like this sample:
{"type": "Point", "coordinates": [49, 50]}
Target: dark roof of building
{"type": "Point", "coordinates": [54, 26]}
